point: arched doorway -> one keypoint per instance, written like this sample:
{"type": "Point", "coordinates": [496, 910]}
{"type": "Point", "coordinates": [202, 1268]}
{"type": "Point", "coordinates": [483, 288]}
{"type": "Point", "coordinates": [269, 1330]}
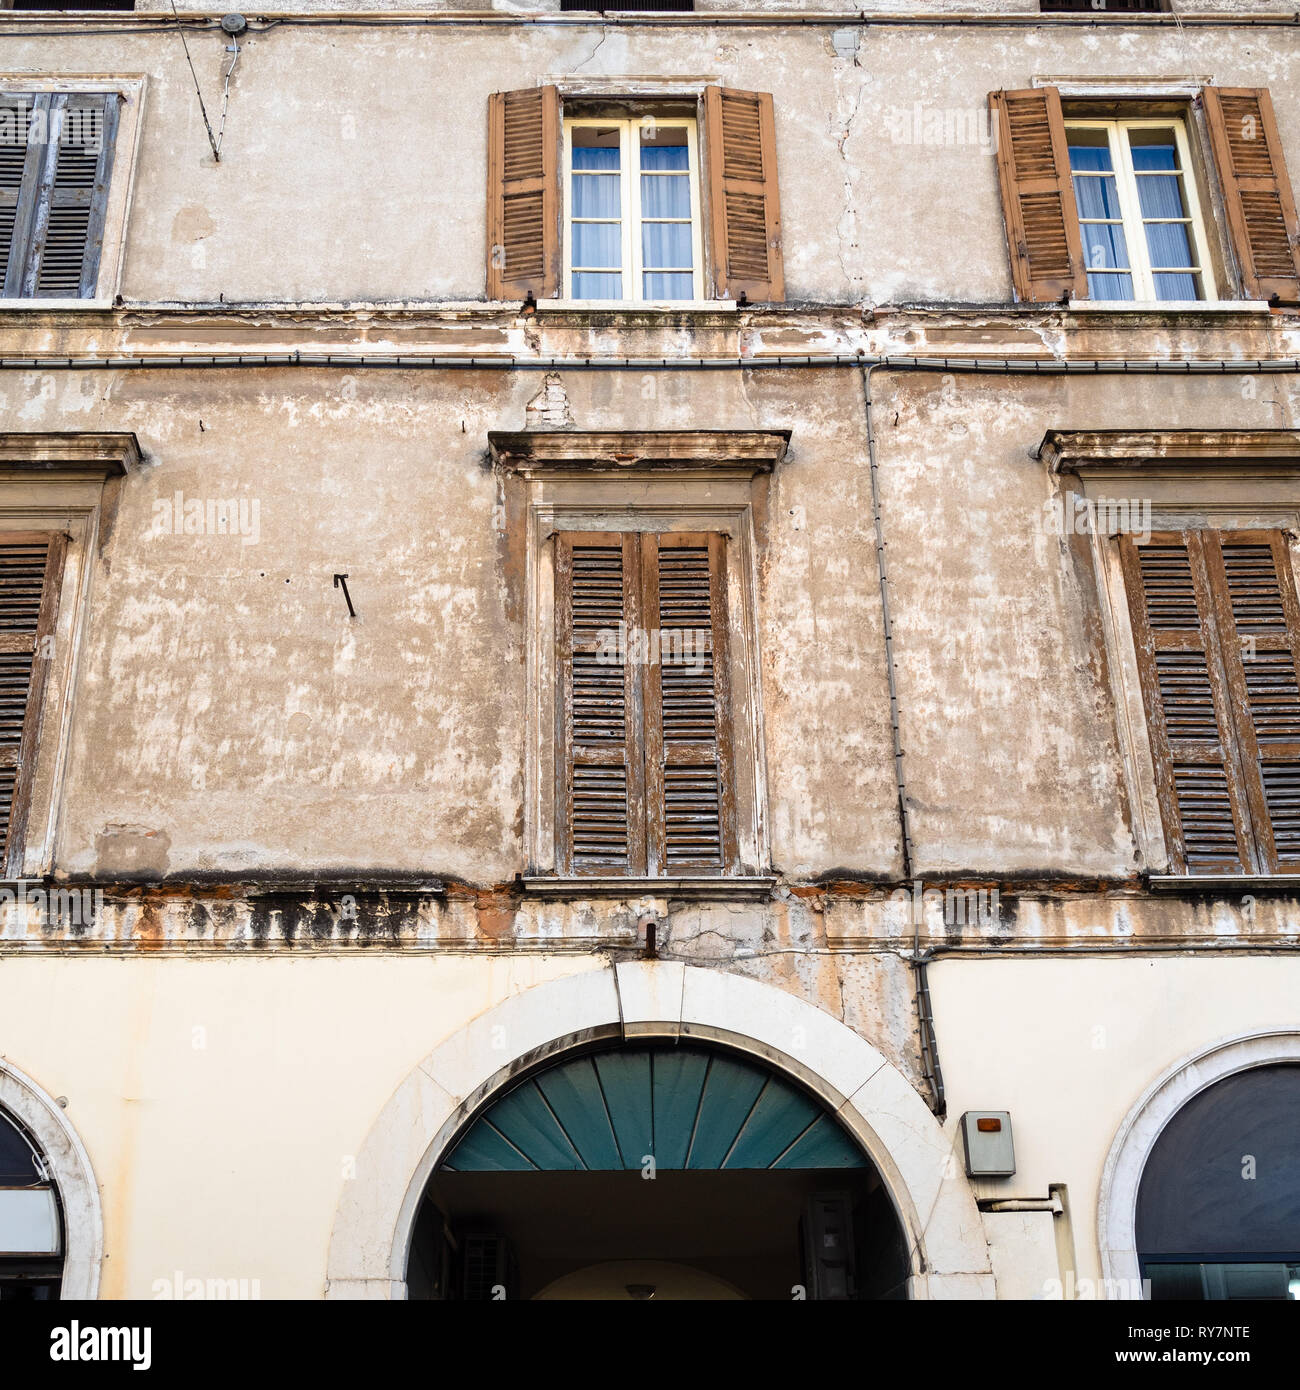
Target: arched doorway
{"type": "Point", "coordinates": [1218, 1206]}
{"type": "Point", "coordinates": [31, 1222]}
{"type": "Point", "coordinates": [656, 1169]}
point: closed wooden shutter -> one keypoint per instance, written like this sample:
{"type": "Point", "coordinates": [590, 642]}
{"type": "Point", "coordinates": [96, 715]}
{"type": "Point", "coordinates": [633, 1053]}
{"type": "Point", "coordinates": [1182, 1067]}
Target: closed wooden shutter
{"type": "Point", "coordinates": [1256, 190]}
{"type": "Point", "coordinates": [1217, 627]}
{"type": "Point", "coordinates": [688, 774]}
{"type": "Point", "coordinates": [744, 199]}
{"type": "Point", "coordinates": [31, 564]}
{"type": "Point", "coordinates": [1038, 196]}
{"type": "Point", "coordinates": [54, 192]}
{"type": "Point", "coordinates": [524, 194]}
{"type": "Point", "coordinates": [644, 777]}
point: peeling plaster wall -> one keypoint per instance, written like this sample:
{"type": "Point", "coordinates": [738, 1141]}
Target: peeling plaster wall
{"type": "Point", "coordinates": [360, 168]}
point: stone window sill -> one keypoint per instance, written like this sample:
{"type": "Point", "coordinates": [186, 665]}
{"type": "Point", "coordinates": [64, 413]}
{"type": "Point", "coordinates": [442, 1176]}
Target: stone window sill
{"type": "Point", "coordinates": [759, 886]}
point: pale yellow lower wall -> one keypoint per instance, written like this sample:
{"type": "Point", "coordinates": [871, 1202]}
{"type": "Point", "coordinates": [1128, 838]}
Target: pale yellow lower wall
{"type": "Point", "coordinates": [222, 1101]}
{"type": "Point", "coordinates": [1069, 1046]}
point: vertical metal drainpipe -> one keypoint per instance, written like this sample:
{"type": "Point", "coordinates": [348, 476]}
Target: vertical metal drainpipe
{"type": "Point", "coordinates": [924, 1008]}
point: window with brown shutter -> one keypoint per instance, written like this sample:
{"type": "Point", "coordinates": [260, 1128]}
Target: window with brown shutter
{"type": "Point", "coordinates": [1256, 190]}
{"type": "Point", "coordinates": [644, 764]}
{"type": "Point", "coordinates": [638, 210]}
{"type": "Point", "coordinates": [1217, 629]}
{"type": "Point", "coordinates": [56, 155]}
{"type": "Point", "coordinates": [31, 564]}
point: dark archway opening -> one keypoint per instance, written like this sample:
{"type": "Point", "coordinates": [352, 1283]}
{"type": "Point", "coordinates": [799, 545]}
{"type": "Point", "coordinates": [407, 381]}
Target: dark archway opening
{"type": "Point", "coordinates": [656, 1171]}
{"type": "Point", "coordinates": [31, 1222]}
{"type": "Point", "coordinates": [1218, 1208]}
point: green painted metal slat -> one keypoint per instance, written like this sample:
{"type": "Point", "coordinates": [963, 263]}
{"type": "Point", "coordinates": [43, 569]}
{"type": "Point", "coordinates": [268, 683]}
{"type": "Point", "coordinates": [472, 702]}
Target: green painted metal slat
{"type": "Point", "coordinates": [526, 1121]}
{"type": "Point", "coordinates": [781, 1112]}
{"type": "Point", "coordinates": [690, 1106]}
{"type": "Point", "coordinates": [574, 1094]}
{"type": "Point", "coordinates": [625, 1081]}
{"type": "Point", "coordinates": [679, 1078]}
{"type": "Point", "coordinates": [824, 1145]}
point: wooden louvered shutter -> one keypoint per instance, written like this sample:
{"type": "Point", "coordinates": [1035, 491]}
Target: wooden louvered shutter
{"type": "Point", "coordinates": [524, 194]}
{"type": "Point", "coordinates": [20, 168]}
{"type": "Point", "coordinates": [1185, 689]}
{"type": "Point", "coordinates": [744, 200]}
{"type": "Point", "coordinates": [1257, 611]}
{"type": "Point", "coordinates": [67, 225]}
{"type": "Point", "coordinates": [1217, 627]}
{"type": "Point", "coordinates": [600, 784]}
{"type": "Point", "coordinates": [1256, 190]}
{"type": "Point", "coordinates": [689, 785]}
{"type": "Point", "coordinates": [31, 564]}
{"type": "Point", "coordinates": [644, 781]}
{"type": "Point", "coordinates": [1038, 205]}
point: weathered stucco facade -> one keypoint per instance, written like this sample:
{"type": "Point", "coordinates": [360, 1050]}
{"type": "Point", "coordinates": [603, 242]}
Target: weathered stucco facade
{"type": "Point", "coordinates": [311, 829]}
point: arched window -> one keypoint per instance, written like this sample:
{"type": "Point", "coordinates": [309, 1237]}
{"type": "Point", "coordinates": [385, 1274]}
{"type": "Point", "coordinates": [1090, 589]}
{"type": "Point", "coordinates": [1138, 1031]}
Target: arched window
{"type": "Point", "coordinates": [1218, 1208]}
{"type": "Point", "coordinates": [31, 1227]}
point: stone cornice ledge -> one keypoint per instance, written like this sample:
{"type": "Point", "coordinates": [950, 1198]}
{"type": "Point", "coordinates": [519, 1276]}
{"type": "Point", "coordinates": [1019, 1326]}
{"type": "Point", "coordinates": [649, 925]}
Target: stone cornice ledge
{"type": "Point", "coordinates": [1070, 451]}
{"type": "Point", "coordinates": [540, 450]}
{"type": "Point", "coordinates": [110, 455]}
{"type": "Point", "coordinates": [758, 886]}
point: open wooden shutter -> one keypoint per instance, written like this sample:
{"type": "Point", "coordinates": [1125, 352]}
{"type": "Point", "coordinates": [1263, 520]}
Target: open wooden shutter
{"type": "Point", "coordinates": [600, 784]}
{"type": "Point", "coordinates": [1256, 191]}
{"type": "Point", "coordinates": [524, 194]}
{"type": "Point", "coordinates": [1038, 196]}
{"type": "Point", "coordinates": [1217, 627]}
{"type": "Point", "coordinates": [744, 201]}
{"type": "Point", "coordinates": [31, 564]}
{"type": "Point", "coordinates": [1257, 610]}
{"type": "Point", "coordinates": [21, 159]}
{"type": "Point", "coordinates": [689, 785]}
{"type": "Point", "coordinates": [67, 229]}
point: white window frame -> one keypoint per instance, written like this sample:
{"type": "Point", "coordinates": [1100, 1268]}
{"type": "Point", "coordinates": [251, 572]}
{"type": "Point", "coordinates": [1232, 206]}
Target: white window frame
{"type": "Point", "coordinates": [630, 206]}
{"type": "Point", "coordinates": [1144, 289]}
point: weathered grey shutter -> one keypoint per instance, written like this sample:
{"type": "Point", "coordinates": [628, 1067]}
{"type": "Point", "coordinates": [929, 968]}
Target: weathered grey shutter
{"type": "Point", "coordinates": [744, 196]}
{"type": "Point", "coordinates": [20, 167]}
{"type": "Point", "coordinates": [1185, 689]}
{"type": "Point", "coordinates": [67, 229]}
{"type": "Point", "coordinates": [30, 566]}
{"type": "Point", "coordinates": [689, 791]}
{"type": "Point", "coordinates": [600, 788]}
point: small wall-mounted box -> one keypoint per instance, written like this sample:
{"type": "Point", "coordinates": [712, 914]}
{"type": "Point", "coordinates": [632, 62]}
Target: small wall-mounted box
{"type": "Point", "coordinates": [990, 1152]}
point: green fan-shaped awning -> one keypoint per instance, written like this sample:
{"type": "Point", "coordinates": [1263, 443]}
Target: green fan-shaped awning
{"type": "Point", "coordinates": [687, 1106]}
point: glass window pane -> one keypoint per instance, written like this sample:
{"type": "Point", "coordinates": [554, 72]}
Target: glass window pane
{"type": "Point", "coordinates": [1152, 149]}
{"type": "Point", "coordinates": [593, 156]}
{"type": "Point", "coordinates": [665, 196]}
{"type": "Point", "coordinates": [1178, 287]}
{"type": "Point", "coordinates": [1167, 244]}
{"type": "Point", "coordinates": [1096, 197]}
{"type": "Point", "coordinates": [1110, 286]}
{"type": "Point", "coordinates": [669, 286]}
{"type": "Point", "coordinates": [1161, 196]}
{"type": "Point", "coordinates": [666, 244]}
{"type": "Point", "coordinates": [1089, 151]}
{"type": "Point", "coordinates": [597, 245]}
{"type": "Point", "coordinates": [670, 157]}
{"type": "Point", "coordinates": [596, 195]}
{"type": "Point", "coordinates": [1104, 246]}
{"type": "Point", "coordinates": [597, 286]}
